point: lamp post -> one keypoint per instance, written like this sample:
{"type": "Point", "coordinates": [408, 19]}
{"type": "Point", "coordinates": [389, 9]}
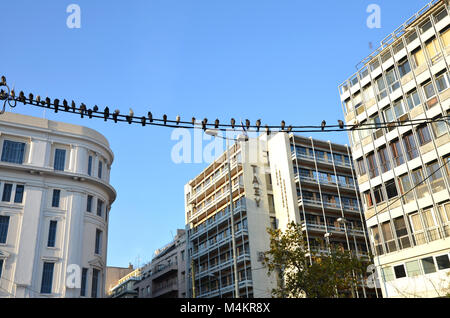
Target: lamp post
{"type": "Point", "coordinates": [215, 133]}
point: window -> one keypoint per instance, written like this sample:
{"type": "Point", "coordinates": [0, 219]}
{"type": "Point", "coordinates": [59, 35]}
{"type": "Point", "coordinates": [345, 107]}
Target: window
{"type": "Point", "coordinates": [413, 268]}
{"type": "Point", "coordinates": [399, 271]}
{"type": "Point", "coordinates": [361, 167]}
{"type": "Point", "coordinates": [13, 152]}
{"type": "Point", "coordinates": [428, 265]}
{"type": "Point", "coordinates": [442, 262]}
{"type": "Point", "coordinates": [445, 36]}
{"type": "Point", "coordinates": [405, 187]}
{"type": "Point", "coordinates": [376, 122]}
{"type": "Point", "coordinates": [378, 194]}
{"type": "Point", "coordinates": [89, 203]}
{"type": "Point", "coordinates": [424, 135]}
{"type": "Point", "coordinates": [399, 110]}
{"type": "Point", "coordinates": [95, 282]}
{"type": "Point", "coordinates": [418, 58]}
{"type": "Point", "coordinates": [433, 49]}
{"type": "Point", "coordinates": [411, 37]}
{"type": "Point", "coordinates": [404, 67]}
{"type": "Point", "coordinates": [18, 198]}
{"type": "Point", "coordinates": [392, 80]}
{"type": "Point", "coordinates": [391, 189]}
{"type": "Point", "coordinates": [388, 274]}
{"type": "Point", "coordinates": [90, 165]}
{"type": "Point", "coordinates": [368, 198]}
{"type": "Point", "coordinates": [430, 94]}
{"type": "Point", "coordinates": [397, 154]}
{"type": "Point", "coordinates": [47, 278]}
{"type": "Point", "coordinates": [373, 169]}
{"type": "Point", "coordinates": [4, 224]}
{"type": "Point", "coordinates": [56, 198]}
{"type": "Point", "coordinates": [7, 189]}
{"type": "Point", "coordinates": [381, 88]}
{"type": "Point", "coordinates": [60, 159]}
{"type": "Point", "coordinates": [386, 56]}
{"type": "Point", "coordinates": [84, 273]}
{"type": "Point", "coordinates": [440, 15]}
{"type": "Point", "coordinates": [442, 82]}
{"type": "Point", "coordinates": [388, 237]}
{"type": "Point", "coordinates": [52, 234]}
{"type": "Point", "coordinates": [412, 99]}
{"type": "Point", "coordinates": [368, 93]}
{"type": "Point", "coordinates": [417, 227]}
{"type": "Point", "coordinates": [100, 168]}
{"type": "Point", "coordinates": [99, 207]}
{"type": "Point", "coordinates": [98, 242]}
{"type": "Point", "coordinates": [410, 146]}
{"type": "Point", "coordinates": [384, 159]}
{"type": "Point", "coordinates": [439, 126]}
{"type": "Point", "coordinates": [425, 26]}
{"type": "Point", "coordinates": [401, 232]}
{"type": "Point", "coordinates": [398, 47]}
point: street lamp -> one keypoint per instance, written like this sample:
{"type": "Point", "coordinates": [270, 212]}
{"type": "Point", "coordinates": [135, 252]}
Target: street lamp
{"type": "Point", "coordinates": [241, 138]}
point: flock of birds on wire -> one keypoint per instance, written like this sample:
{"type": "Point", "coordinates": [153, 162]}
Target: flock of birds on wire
{"type": "Point", "coordinates": [130, 118]}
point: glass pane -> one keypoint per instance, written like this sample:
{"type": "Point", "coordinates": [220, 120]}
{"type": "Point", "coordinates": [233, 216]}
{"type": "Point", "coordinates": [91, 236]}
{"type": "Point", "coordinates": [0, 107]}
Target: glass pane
{"type": "Point", "coordinates": [413, 268]}
{"type": "Point", "coordinates": [443, 262]}
{"type": "Point", "coordinates": [428, 265]}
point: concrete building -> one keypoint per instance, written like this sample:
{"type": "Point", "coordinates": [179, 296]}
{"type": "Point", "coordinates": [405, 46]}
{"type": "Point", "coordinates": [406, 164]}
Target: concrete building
{"type": "Point", "coordinates": [125, 287]}
{"type": "Point", "coordinates": [275, 180]}
{"type": "Point", "coordinates": [165, 275]}
{"type": "Point", "coordinates": [401, 163]}
{"type": "Point", "coordinates": [55, 201]}
{"type": "Point", "coordinates": [114, 274]}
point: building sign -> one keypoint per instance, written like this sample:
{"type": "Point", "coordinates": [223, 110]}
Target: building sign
{"type": "Point", "coordinates": [256, 186]}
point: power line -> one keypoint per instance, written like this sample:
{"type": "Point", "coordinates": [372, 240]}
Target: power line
{"type": "Point", "coordinates": [82, 110]}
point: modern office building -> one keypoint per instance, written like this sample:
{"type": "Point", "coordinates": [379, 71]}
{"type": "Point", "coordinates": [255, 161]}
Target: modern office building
{"type": "Point", "coordinates": [55, 201]}
{"type": "Point", "coordinates": [276, 180]}
{"type": "Point", "coordinates": [165, 275]}
{"type": "Point", "coordinates": [401, 89]}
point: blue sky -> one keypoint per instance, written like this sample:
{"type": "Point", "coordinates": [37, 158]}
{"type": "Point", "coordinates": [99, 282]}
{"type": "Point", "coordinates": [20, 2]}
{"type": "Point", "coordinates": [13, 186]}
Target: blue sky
{"type": "Point", "coordinates": [253, 59]}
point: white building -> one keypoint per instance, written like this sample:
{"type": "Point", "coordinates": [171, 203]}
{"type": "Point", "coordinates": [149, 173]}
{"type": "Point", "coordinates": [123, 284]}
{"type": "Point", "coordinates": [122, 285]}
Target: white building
{"type": "Point", "coordinates": [55, 198]}
{"type": "Point", "coordinates": [402, 89]}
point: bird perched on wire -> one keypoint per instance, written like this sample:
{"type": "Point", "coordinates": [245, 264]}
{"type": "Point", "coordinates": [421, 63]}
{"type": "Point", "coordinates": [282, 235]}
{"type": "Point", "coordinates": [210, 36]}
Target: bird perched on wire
{"type": "Point", "coordinates": [150, 117]}
{"type": "Point", "coordinates": [341, 124]}
{"type": "Point", "coordinates": [143, 120]}
{"type": "Point", "coordinates": [178, 119]}
{"type": "Point", "coordinates": [216, 123]}
{"type": "Point", "coordinates": [233, 123]}
{"type": "Point", "coordinates": [48, 101]}
{"type": "Point", "coordinates": [258, 124]}
{"type": "Point", "coordinates": [204, 121]}
{"type": "Point", "coordinates": [165, 119]}
{"type": "Point", "coordinates": [130, 116]}
{"type": "Point", "coordinates": [323, 125]}
{"type": "Point", "coordinates": [3, 83]}
{"type": "Point", "coordinates": [89, 111]}
{"type": "Point", "coordinates": [247, 124]}
{"type": "Point", "coordinates": [82, 109]}
{"type": "Point", "coordinates": [74, 106]}
{"type": "Point", "coordinates": [22, 97]}
{"type": "Point", "coordinates": [95, 109]}
{"type": "Point", "coordinates": [56, 104]}
{"type": "Point", "coordinates": [66, 105]}
{"type": "Point", "coordinates": [30, 98]}
{"type": "Point", "coordinates": [106, 113]}
{"type": "Point", "coordinates": [267, 130]}
{"type": "Point", "coordinates": [116, 115]}
{"type": "Point", "coordinates": [289, 128]}
{"type": "Point", "coordinates": [38, 99]}
{"type": "Point", "coordinates": [193, 121]}
{"type": "Point", "coordinates": [283, 124]}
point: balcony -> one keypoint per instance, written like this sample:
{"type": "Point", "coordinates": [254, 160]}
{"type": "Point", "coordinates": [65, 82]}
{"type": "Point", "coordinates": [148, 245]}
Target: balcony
{"type": "Point", "coordinates": [164, 289]}
{"type": "Point", "coordinates": [223, 290]}
{"type": "Point", "coordinates": [211, 203]}
{"type": "Point", "coordinates": [324, 182]}
{"type": "Point", "coordinates": [163, 270]}
{"type": "Point", "coordinates": [207, 247]}
{"type": "Point", "coordinates": [329, 205]}
{"type": "Point", "coordinates": [209, 183]}
{"type": "Point", "coordinates": [303, 156]}
{"type": "Point", "coordinates": [217, 221]}
{"type": "Point", "coordinates": [222, 265]}
{"type": "Point", "coordinates": [339, 230]}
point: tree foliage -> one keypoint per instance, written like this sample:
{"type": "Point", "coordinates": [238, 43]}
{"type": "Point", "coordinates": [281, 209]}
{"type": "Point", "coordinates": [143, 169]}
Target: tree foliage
{"type": "Point", "coordinates": [306, 273]}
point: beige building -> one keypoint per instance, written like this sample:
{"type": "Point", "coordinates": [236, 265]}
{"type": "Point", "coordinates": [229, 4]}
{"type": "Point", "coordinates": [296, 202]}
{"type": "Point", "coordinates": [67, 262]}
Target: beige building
{"type": "Point", "coordinates": [55, 201]}
{"type": "Point", "coordinates": [114, 274]}
{"type": "Point", "coordinates": [402, 90]}
{"type": "Point", "coordinates": [276, 180]}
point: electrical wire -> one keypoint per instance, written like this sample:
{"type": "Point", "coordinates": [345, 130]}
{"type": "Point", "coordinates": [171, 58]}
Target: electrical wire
{"type": "Point", "coordinates": [194, 124]}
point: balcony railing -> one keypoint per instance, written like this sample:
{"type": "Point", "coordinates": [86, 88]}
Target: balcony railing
{"type": "Point", "coordinates": [207, 247]}
{"type": "Point", "coordinates": [320, 159]}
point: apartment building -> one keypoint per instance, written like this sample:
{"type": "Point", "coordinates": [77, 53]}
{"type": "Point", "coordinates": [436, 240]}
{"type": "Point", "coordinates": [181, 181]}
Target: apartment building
{"type": "Point", "coordinates": [125, 286]}
{"type": "Point", "coordinates": [55, 201]}
{"type": "Point", "coordinates": [401, 90]}
{"type": "Point", "coordinates": [165, 275]}
{"type": "Point", "coordinates": [276, 180]}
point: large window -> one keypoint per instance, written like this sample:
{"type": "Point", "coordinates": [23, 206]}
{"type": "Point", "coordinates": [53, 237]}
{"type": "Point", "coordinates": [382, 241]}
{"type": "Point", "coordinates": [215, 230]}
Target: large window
{"type": "Point", "coordinates": [442, 82]}
{"type": "Point", "coordinates": [401, 232]}
{"type": "Point", "coordinates": [418, 58]}
{"type": "Point", "coordinates": [56, 198]}
{"type": "Point", "coordinates": [391, 189]}
{"type": "Point", "coordinates": [399, 271]}
{"type": "Point", "coordinates": [435, 177]}
{"type": "Point", "coordinates": [100, 169]}
{"type": "Point", "coordinates": [388, 237]}
{"type": "Point", "coordinates": [60, 159]}
{"type": "Point", "coordinates": [428, 265]}
{"type": "Point", "coordinates": [410, 146]}
{"type": "Point", "coordinates": [368, 198]}
{"type": "Point", "coordinates": [90, 165]}
{"type": "Point", "coordinates": [384, 159]}
{"type": "Point", "coordinates": [373, 169]}
{"type": "Point", "coordinates": [424, 135]}
{"type": "Point", "coordinates": [13, 152]}
{"type": "Point", "coordinates": [412, 99]}
{"type": "Point", "coordinates": [439, 126]}
{"type": "Point", "coordinates": [361, 166]}
{"type": "Point", "coordinates": [381, 88]}
{"type": "Point", "coordinates": [99, 207]}
{"type": "Point", "coordinates": [95, 282]}
{"type": "Point", "coordinates": [397, 153]}
{"type": "Point", "coordinates": [445, 36]}
{"type": "Point", "coordinates": [417, 227]}
{"type": "Point", "coordinates": [392, 80]}
{"type": "Point", "coordinates": [47, 278]}
{"type": "Point", "coordinates": [4, 224]}
{"type": "Point", "coordinates": [7, 190]}
{"type": "Point", "coordinates": [98, 242]}
{"type": "Point", "coordinates": [404, 67]}
{"type": "Point", "coordinates": [405, 186]}
{"type": "Point", "coordinates": [18, 198]}
{"type": "Point", "coordinates": [430, 94]}
{"type": "Point", "coordinates": [89, 203]}
{"type": "Point", "coordinates": [84, 274]}
{"type": "Point", "coordinates": [378, 194]}
{"type": "Point", "coordinates": [433, 49]}
{"type": "Point", "coordinates": [52, 234]}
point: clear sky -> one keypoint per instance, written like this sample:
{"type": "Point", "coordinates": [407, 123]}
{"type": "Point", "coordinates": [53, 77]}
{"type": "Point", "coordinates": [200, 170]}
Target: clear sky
{"type": "Point", "coordinates": [267, 59]}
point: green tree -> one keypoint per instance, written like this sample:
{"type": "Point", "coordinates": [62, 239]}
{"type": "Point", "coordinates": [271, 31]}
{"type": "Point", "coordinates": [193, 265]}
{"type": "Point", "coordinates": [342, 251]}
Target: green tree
{"type": "Point", "coordinates": [306, 273]}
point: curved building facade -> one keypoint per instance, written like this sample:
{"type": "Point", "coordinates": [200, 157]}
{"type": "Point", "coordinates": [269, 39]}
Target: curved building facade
{"type": "Point", "coordinates": [55, 198]}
